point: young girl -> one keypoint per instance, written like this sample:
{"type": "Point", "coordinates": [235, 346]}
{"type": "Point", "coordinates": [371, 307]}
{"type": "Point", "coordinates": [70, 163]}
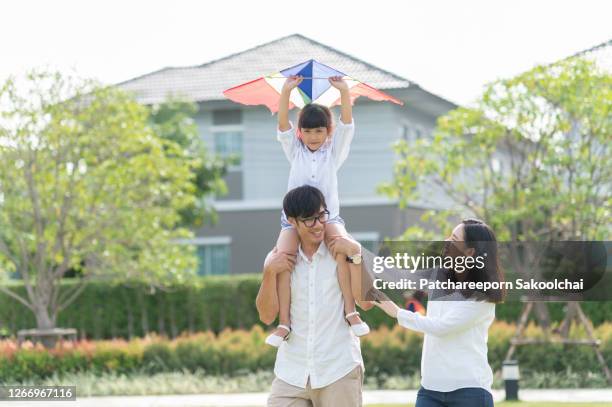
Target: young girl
{"type": "Point", "coordinates": [315, 156]}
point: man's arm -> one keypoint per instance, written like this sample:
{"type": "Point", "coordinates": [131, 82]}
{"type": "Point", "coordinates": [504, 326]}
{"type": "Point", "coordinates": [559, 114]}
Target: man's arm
{"type": "Point", "coordinates": [267, 297]}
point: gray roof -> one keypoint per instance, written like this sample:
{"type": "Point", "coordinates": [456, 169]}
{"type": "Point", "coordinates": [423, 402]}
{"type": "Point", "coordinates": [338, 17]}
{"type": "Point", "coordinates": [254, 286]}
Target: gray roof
{"type": "Point", "coordinates": [601, 54]}
{"type": "Point", "coordinates": [207, 82]}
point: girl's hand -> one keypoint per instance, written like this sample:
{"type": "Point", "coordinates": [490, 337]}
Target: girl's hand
{"type": "Point", "coordinates": [292, 82]}
{"type": "Point", "coordinates": [338, 82]}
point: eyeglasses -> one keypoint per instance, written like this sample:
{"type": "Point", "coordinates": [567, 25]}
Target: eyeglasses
{"type": "Point", "coordinates": [312, 220]}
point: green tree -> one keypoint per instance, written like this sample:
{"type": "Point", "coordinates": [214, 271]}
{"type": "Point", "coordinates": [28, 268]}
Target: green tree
{"type": "Point", "coordinates": [173, 121]}
{"type": "Point", "coordinates": [86, 183]}
{"type": "Point", "coordinates": [531, 157]}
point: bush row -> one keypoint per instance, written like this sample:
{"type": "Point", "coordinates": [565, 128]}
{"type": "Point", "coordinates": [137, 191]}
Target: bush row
{"type": "Point", "coordinates": [107, 311]}
{"type": "Point", "coordinates": [394, 351]}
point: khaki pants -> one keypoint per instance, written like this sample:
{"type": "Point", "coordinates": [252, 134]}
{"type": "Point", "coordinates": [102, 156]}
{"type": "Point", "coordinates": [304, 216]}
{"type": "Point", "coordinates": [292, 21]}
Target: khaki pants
{"type": "Point", "coordinates": [344, 392]}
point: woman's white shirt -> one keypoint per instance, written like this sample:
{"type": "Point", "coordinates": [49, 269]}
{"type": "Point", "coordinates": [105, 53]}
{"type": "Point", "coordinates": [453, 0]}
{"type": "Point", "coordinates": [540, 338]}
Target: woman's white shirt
{"type": "Point", "coordinates": [455, 345]}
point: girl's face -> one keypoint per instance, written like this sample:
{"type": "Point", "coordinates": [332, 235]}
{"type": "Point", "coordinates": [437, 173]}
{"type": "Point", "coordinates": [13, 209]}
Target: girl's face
{"type": "Point", "coordinates": [314, 138]}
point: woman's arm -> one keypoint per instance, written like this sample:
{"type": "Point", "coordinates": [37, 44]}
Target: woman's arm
{"type": "Point", "coordinates": [463, 315]}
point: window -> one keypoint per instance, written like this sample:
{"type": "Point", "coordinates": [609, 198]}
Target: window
{"type": "Point", "coordinates": [228, 144]}
{"type": "Point", "coordinates": [213, 254]}
{"type": "Point", "coordinates": [213, 259]}
{"type": "Point", "coordinates": [227, 117]}
{"type": "Point", "coordinates": [410, 133]}
{"type": "Point", "coordinates": [406, 133]}
{"type": "Point", "coordinates": [227, 133]}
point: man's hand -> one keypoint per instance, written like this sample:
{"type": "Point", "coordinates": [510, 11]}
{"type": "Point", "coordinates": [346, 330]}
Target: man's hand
{"type": "Point", "coordinates": [338, 83]}
{"type": "Point", "coordinates": [343, 245]}
{"type": "Point", "coordinates": [291, 83]}
{"type": "Point", "coordinates": [278, 262]}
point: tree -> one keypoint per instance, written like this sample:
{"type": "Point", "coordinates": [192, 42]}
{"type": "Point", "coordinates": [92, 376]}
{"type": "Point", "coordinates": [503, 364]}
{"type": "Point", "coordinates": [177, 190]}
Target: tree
{"type": "Point", "coordinates": [532, 158]}
{"type": "Point", "coordinates": [173, 121]}
{"type": "Point", "coordinates": [86, 183]}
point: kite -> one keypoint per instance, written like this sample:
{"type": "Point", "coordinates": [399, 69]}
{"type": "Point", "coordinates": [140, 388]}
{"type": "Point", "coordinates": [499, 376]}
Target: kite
{"type": "Point", "coordinates": [315, 88]}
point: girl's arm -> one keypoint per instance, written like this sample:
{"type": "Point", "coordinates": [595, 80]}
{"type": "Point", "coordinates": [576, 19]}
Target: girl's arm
{"type": "Point", "coordinates": [346, 112]}
{"type": "Point", "coordinates": [345, 130]}
{"type": "Point", "coordinates": [283, 104]}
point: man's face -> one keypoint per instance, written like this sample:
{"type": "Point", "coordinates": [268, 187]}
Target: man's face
{"type": "Point", "coordinates": [314, 234]}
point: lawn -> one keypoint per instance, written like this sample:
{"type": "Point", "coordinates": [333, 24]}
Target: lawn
{"type": "Point", "coordinates": [514, 404]}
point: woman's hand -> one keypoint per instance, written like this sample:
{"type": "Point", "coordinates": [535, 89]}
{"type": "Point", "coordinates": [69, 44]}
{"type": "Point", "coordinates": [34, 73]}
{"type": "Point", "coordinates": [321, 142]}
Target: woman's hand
{"type": "Point", "coordinates": [291, 83]}
{"type": "Point", "coordinates": [339, 83]}
{"type": "Point", "coordinates": [389, 307]}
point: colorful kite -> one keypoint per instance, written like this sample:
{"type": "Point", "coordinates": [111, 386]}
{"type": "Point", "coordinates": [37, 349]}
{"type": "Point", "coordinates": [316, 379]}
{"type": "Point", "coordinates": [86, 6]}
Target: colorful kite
{"type": "Point", "coordinates": [315, 88]}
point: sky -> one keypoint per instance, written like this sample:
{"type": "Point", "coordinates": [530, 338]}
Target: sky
{"type": "Point", "coordinates": [450, 48]}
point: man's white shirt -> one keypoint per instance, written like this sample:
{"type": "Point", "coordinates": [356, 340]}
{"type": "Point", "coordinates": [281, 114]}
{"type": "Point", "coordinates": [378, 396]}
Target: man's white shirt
{"type": "Point", "coordinates": [321, 344]}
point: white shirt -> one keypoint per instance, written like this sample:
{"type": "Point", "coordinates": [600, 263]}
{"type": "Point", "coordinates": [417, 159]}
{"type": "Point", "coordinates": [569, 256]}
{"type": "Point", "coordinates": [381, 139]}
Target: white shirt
{"type": "Point", "coordinates": [456, 332]}
{"type": "Point", "coordinates": [455, 345]}
{"type": "Point", "coordinates": [319, 168]}
{"type": "Point", "coordinates": [321, 344]}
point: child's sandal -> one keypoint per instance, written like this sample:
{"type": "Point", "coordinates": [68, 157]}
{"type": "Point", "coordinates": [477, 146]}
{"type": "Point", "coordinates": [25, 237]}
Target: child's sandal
{"type": "Point", "coordinates": [360, 329]}
{"type": "Point", "coordinates": [277, 340]}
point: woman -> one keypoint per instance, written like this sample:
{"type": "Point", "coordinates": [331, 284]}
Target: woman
{"type": "Point", "coordinates": [454, 367]}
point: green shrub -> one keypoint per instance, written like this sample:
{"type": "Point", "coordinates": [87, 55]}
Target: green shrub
{"type": "Point", "coordinates": [106, 311]}
{"type": "Point", "coordinates": [386, 352]}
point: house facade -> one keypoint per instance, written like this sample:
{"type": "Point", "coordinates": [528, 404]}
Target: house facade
{"type": "Point", "coordinates": [249, 215]}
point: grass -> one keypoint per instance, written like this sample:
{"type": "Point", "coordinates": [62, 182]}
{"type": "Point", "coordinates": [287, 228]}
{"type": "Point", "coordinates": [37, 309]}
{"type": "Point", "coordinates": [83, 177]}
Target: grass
{"type": "Point", "coordinates": [514, 404]}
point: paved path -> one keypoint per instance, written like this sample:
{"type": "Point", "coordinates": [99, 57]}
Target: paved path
{"type": "Point", "coordinates": [259, 399]}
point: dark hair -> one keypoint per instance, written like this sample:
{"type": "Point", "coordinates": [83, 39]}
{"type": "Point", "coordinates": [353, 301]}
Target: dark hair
{"type": "Point", "coordinates": [313, 115]}
{"type": "Point", "coordinates": [480, 237]}
{"type": "Point", "coordinates": [303, 202]}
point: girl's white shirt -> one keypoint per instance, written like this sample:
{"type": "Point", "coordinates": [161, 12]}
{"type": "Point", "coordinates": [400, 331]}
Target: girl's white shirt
{"type": "Point", "coordinates": [319, 168]}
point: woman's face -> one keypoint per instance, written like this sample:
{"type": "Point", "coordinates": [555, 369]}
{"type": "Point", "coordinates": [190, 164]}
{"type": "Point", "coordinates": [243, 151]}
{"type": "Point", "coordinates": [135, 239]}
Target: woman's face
{"type": "Point", "coordinates": [457, 239]}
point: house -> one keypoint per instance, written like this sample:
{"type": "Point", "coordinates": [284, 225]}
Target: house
{"type": "Point", "coordinates": [600, 54]}
{"type": "Point", "coordinates": [248, 216]}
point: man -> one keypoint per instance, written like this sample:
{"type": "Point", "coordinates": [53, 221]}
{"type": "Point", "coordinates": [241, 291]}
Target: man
{"type": "Point", "coordinates": [320, 363]}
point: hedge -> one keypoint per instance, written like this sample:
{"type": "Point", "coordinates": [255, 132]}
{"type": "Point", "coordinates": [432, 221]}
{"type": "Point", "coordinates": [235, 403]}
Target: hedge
{"type": "Point", "coordinates": [234, 352]}
{"type": "Point", "coordinates": [106, 311]}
